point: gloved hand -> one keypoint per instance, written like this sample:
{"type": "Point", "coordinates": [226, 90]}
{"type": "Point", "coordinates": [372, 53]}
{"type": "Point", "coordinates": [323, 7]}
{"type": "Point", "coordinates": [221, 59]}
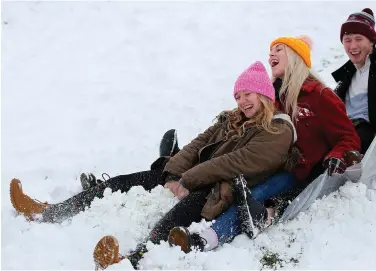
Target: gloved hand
{"type": "Point", "coordinates": [352, 157]}
{"type": "Point", "coordinates": [335, 165]}
{"type": "Point", "coordinates": [177, 189]}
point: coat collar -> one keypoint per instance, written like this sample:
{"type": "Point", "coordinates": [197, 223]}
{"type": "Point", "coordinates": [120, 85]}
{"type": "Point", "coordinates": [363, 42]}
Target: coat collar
{"type": "Point", "coordinates": [348, 69]}
{"type": "Point", "coordinates": [310, 85]}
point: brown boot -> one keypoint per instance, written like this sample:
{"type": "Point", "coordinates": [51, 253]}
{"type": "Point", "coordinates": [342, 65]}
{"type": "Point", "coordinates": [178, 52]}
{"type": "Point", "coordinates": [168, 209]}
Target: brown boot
{"type": "Point", "coordinates": [106, 252]}
{"type": "Point", "coordinates": [23, 203]}
{"type": "Point", "coordinates": [180, 236]}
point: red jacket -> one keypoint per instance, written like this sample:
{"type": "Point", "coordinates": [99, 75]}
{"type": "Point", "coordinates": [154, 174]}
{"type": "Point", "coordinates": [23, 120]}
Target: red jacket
{"type": "Point", "coordinates": [323, 128]}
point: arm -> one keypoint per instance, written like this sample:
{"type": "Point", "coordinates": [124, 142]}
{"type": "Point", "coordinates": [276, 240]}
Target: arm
{"type": "Point", "coordinates": [188, 156]}
{"type": "Point", "coordinates": [265, 152]}
{"type": "Point", "coordinates": [338, 128]}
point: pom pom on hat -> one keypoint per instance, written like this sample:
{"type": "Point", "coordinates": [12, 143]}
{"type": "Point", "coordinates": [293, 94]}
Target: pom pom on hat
{"type": "Point", "coordinates": [369, 11]}
{"type": "Point", "coordinates": [307, 40]}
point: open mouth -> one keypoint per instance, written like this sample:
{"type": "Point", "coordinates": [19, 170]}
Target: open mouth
{"type": "Point", "coordinates": [248, 107]}
{"type": "Point", "coordinates": [274, 63]}
{"type": "Point", "coordinates": [355, 53]}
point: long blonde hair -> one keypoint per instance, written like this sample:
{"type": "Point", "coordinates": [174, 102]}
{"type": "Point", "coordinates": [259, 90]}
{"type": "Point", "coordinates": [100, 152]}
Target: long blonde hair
{"type": "Point", "coordinates": [238, 122]}
{"type": "Point", "coordinates": [296, 73]}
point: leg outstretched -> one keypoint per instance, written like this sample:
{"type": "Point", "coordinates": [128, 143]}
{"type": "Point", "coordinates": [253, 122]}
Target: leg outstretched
{"type": "Point", "coordinates": [58, 212]}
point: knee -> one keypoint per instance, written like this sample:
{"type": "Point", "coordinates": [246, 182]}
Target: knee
{"type": "Point", "coordinates": [257, 193]}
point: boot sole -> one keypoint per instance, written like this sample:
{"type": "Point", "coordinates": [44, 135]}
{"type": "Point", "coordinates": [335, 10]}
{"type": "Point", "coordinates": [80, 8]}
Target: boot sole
{"type": "Point", "coordinates": [14, 184]}
{"type": "Point", "coordinates": [169, 139]}
{"type": "Point", "coordinates": [179, 236]}
{"type": "Point", "coordinates": [84, 182]}
{"type": "Point", "coordinates": [22, 203]}
{"type": "Point", "coordinates": [106, 252]}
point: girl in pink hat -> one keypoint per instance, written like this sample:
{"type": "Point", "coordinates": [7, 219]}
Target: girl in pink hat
{"type": "Point", "coordinates": [324, 137]}
{"type": "Point", "coordinates": [201, 175]}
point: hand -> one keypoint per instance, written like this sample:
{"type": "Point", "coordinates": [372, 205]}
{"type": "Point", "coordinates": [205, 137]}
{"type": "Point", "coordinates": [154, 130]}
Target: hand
{"type": "Point", "coordinates": [177, 189]}
{"type": "Point", "coordinates": [352, 158]}
{"type": "Point", "coordinates": [334, 165]}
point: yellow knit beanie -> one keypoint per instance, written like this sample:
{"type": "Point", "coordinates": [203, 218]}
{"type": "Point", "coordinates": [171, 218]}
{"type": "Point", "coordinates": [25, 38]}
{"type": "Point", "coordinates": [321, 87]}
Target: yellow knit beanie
{"type": "Point", "coordinates": [301, 45]}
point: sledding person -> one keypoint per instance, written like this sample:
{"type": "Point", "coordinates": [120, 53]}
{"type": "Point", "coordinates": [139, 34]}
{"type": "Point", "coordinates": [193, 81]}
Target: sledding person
{"type": "Point", "coordinates": [325, 133]}
{"type": "Point", "coordinates": [240, 142]}
{"type": "Point", "coordinates": [325, 136]}
{"type": "Point", "coordinates": [357, 77]}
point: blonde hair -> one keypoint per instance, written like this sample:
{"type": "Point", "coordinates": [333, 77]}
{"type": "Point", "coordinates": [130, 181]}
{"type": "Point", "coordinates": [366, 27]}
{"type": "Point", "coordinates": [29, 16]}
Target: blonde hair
{"type": "Point", "coordinates": [296, 73]}
{"type": "Point", "coordinates": [238, 122]}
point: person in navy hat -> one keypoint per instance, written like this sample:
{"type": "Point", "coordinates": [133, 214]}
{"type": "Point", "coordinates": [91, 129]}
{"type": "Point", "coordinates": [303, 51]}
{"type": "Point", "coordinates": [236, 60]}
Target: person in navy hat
{"type": "Point", "coordinates": [357, 77]}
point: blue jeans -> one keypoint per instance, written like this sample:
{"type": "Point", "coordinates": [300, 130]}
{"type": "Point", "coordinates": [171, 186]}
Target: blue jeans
{"type": "Point", "coordinates": [227, 225]}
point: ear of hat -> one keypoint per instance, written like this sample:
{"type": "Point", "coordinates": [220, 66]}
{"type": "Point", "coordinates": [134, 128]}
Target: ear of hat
{"type": "Point", "coordinates": [301, 45]}
{"type": "Point", "coordinates": [360, 23]}
{"type": "Point", "coordinates": [255, 79]}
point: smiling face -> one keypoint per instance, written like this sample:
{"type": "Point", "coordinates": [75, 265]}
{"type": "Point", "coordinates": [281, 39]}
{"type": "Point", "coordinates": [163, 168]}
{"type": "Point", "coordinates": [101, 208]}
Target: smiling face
{"type": "Point", "coordinates": [248, 102]}
{"type": "Point", "coordinates": [278, 60]}
{"type": "Point", "coordinates": [357, 47]}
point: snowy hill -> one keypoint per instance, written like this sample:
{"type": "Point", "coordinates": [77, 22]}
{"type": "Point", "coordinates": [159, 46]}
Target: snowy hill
{"type": "Point", "coordinates": [92, 86]}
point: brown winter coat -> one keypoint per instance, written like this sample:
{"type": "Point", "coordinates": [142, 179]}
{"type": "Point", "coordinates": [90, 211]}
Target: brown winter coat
{"type": "Point", "coordinates": [211, 160]}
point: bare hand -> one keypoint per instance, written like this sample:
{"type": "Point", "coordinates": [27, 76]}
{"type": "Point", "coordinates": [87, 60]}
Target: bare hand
{"type": "Point", "coordinates": [177, 189]}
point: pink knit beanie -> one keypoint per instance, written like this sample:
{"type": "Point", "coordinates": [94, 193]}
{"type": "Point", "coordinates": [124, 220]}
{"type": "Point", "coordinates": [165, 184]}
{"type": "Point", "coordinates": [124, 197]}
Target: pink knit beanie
{"type": "Point", "coordinates": [255, 79]}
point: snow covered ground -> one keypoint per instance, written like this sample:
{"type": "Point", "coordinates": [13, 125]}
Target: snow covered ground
{"type": "Point", "coordinates": [92, 86]}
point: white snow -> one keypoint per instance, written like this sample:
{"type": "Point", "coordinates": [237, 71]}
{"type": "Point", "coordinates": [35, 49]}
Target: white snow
{"type": "Point", "coordinates": [92, 86]}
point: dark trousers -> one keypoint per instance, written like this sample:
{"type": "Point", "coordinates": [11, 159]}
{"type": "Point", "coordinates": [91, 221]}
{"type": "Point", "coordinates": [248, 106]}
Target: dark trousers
{"type": "Point", "coordinates": [72, 206]}
{"type": "Point", "coordinates": [185, 212]}
{"type": "Point", "coordinates": [366, 134]}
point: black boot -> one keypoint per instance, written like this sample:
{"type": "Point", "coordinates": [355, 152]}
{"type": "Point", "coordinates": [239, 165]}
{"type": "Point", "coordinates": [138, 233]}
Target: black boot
{"type": "Point", "coordinates": [88, 180]}
{"type": "Point", "coordinates": [180, 236]}
{"type": "Point", "coordinates": [251, 212]}
{"type": "Point", "coordinates": [135, 256]}
{"type": "Point", "coordinates": [169, 144]}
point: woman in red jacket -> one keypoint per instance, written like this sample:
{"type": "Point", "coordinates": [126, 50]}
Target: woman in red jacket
{"type": "Point", "coordinates": [324, 130]}
{"type": "Point", "coordinates": [324, 133]}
